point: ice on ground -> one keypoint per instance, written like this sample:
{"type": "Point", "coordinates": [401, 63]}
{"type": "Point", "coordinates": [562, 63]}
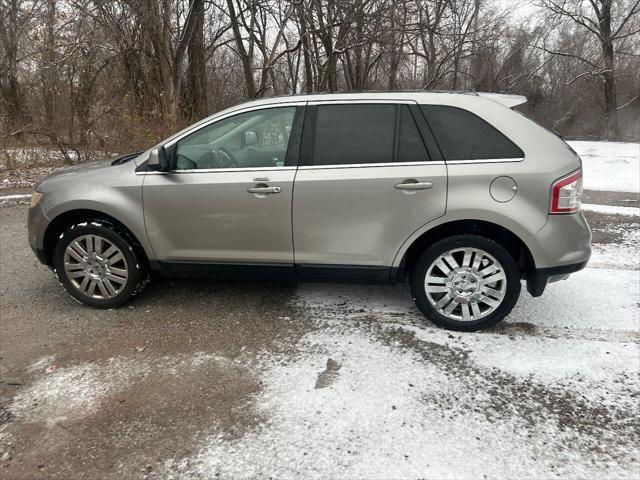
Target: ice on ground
{"type": "Point", "coordinates": [616, 255]}
{"type": "Point", "coordinates": [75, 391]}
{"type": "Point", "coordinates": [407, 400]}
{"type": "Point", "coordinates": [623, 251]}
{"type": "Point", "coordinates": [610, 166]}
{"type": "Point", "coordinates": [593, 298]}
{"type": "Point", "coordinates": [612, 210]}
{"type": "Point", "coordinates": [405, 408]}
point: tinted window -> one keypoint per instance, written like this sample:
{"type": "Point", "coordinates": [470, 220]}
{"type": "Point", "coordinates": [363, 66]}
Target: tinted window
{"type": "Point", "coordinates": [410, 145]}
{"type": "Point", "coordinates": [253, 139]}
{"type": "Point", "coordinates": [462, 135]}
{"type": "Point", "coordinates": [352, 134]}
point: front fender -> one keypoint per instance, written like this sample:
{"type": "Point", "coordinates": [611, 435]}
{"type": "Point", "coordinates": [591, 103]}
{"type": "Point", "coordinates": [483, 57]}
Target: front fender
{"type": "Point", "coordinates": [116, 193]}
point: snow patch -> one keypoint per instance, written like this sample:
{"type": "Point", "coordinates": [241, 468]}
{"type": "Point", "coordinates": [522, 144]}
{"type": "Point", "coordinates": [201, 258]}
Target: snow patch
{"type": "Point", "coordinates": [610, 166]}
{"type": "Point", "coordinates": [612, 210]}
{"type": "Point", "coordinates": [593, 298]}
{"type": "Point", "coordinates": [75, 391]}
{"type": "Point", "coordinates": [389, 412]}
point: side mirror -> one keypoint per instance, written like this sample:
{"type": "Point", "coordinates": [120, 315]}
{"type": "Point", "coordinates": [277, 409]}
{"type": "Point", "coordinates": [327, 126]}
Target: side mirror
{"type": "Point", "coordinates": [158, 160]}
{"type": "Point", "coordinates": [250, 138]}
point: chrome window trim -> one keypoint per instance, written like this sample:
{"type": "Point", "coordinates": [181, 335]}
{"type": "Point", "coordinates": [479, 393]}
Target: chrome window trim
{"type": "Point", "coordinates": [220, 170]}
{"type": "Point", "coordinates": [346, 165]}
{"type": "Point", "coordinates": [370, 165]}
{"type": "Point", "coordinates": [489, 160]}
{"type": "Point", "coordinates": [231, 114]}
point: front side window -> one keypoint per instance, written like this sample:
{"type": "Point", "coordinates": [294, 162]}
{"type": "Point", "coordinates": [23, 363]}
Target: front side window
{"type": "Point", "coordinates": [354, 134]}
{"type": "Point", "coordinates": [248, 140]}
{"type": "Point", "coordinates": [463, 135]}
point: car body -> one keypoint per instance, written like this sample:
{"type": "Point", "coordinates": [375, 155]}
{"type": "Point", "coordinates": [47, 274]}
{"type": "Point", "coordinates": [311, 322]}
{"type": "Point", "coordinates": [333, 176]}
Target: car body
{"type": "Point", "coordinates": [338, 186]}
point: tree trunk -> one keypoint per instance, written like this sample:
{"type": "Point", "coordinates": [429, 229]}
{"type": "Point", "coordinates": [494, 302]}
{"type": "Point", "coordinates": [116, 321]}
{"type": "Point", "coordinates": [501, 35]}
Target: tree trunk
{"type": "Point", "coordinates": [609, 85]}
{"type": "Point", "coordinates": [245, 58]}
{"type": "Point", "coordinates": [196, 70]}
{"type": "Point", "coordinates": [308, 73]}
{"type": "Point", "coordinates": [49, 68]}
{"type": "Point", "coordinates": [9, 87]}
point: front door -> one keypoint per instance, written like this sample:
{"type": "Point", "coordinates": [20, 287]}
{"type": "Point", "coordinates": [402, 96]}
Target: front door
{"type": "Point", "coordinates": [365, 184]}
{"type": "Point", "coordinates": [229, 197]}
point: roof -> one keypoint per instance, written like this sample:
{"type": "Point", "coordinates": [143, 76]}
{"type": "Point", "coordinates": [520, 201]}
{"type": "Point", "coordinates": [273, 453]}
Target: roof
{"type": "Point", "coordinates": [508, 100]}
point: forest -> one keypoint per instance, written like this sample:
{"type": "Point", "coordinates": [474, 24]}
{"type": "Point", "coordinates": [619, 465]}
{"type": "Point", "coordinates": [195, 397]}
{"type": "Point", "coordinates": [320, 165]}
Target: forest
{"type": "Point", "coordinates": [118, 75]}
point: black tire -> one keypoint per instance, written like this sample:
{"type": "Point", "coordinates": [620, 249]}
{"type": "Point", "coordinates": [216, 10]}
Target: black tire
{"type": "Point", "coordinates": [131, 250]}
{"type": "Point", "coordinates": [511, 270]}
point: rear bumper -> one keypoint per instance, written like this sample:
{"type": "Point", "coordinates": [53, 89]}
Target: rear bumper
{"type": "Point", "coordinates": [564, 240]}
{"type": "Point", "coordinates": [561, 247]}
{"type": "Point", "coordinates": [538, 279]}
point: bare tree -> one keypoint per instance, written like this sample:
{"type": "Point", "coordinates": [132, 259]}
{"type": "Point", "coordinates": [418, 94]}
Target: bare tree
{"type": "Point", "coordinates": [610, 22]}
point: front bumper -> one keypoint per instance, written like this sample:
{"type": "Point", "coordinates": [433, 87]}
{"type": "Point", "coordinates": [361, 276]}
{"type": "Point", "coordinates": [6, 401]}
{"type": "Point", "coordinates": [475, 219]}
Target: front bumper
{"type": "Point", "coordinates": [36, 227]}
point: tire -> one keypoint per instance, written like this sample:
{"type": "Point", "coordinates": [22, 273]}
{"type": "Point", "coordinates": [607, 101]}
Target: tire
{"type": "Point", "coordinates": [115, 266]}
{"type": "Point", "coordinates": [492, 283]}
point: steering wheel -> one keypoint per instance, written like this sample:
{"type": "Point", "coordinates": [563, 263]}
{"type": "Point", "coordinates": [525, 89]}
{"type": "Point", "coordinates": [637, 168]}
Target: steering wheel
{"type": "Point", "coordinates": [228, 157]}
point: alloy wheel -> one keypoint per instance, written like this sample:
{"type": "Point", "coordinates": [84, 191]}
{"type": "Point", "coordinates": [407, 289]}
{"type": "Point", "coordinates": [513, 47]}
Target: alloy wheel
{"type": "Point", "coordinates": [465, 284]}
{"type": "Point", "coordinates": [95, 266]}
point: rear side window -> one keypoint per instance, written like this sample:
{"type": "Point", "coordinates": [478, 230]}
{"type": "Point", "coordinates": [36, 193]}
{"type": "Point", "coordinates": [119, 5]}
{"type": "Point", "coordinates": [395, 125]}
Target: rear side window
{"type": "Point", "coordinates": [410, 145]}
{"type": "Point", "coordinates": [354, 134]}
{"type": "Point", "coordinates": [463, 135]}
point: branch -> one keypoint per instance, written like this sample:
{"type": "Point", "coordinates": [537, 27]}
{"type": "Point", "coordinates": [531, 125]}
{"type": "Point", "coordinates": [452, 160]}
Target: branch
{"type": "Point", "coordinates": [635, 9]}
{"type": "Point", "coordinates": [568, 55]}
{"type": "Point", "coordinates": [628, 103]}
{"type": "Point", "coordinates": [590, 74]}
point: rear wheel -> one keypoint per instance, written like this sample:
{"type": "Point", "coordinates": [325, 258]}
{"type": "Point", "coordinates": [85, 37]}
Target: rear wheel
{"type": "Point", "coordinates": [465, 283]}
{"type": "Point", "coordinates": [99, 264]}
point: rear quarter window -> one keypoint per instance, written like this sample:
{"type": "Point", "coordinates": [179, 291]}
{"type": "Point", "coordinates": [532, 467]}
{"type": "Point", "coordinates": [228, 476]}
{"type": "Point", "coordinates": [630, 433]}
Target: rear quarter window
{"type": "Point", "coordinates": [462, 135]}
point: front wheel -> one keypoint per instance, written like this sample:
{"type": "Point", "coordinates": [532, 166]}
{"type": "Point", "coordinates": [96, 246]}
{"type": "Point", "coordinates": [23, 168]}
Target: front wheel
{"type": "Point", "coordinates": [465, 283]}
{"type": "Point", "coordinates": [99, 264]}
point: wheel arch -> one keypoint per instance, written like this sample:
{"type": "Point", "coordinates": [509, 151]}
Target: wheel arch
{"type": "Point", "coordinates": [70, 217]}
{"type": "Point", "coordinates": [503, 236]}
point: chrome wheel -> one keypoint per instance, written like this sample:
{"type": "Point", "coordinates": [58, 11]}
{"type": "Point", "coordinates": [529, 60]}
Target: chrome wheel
{"type": "Point", "coordinates": [465, 284]}
{"type": "Point", "coordinates": [95, 266]}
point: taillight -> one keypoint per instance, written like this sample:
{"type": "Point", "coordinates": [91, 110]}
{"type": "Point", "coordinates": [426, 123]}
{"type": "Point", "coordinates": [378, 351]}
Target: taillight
{"type": "Point", "coordinates": [566, 193]}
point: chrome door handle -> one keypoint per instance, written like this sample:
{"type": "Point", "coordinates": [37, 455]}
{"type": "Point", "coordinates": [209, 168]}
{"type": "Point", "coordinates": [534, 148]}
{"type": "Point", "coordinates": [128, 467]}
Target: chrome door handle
{"type": "Point", "coordinates": [264, 190]}
{"type": "Point", "coordinates": [413, 185]}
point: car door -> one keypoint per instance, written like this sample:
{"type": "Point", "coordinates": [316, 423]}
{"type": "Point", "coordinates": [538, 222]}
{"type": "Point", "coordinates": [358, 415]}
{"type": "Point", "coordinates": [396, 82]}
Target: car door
{"type": "Point", "coordinates": [366, 182]}
{"type": "Point", "coordinates": [228, 198]}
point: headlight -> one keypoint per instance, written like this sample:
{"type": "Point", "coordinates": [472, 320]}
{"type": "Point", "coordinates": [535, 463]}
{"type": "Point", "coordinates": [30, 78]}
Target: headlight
{"type": "Point", "coordinates": [35, 199]}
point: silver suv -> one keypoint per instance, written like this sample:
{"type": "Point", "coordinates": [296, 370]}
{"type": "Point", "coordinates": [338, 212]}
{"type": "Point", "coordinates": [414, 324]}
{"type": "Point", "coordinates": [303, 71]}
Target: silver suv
{"type": "Point", "coordinates": [454, 191]}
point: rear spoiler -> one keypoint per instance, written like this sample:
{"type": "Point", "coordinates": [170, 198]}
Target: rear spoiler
{"type": "Point", "coordinates": [505, 99]}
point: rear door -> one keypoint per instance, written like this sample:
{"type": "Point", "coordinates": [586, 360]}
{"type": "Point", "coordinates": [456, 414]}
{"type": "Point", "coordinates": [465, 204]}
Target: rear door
{"type": "Point", "coordinates": [365, 183]}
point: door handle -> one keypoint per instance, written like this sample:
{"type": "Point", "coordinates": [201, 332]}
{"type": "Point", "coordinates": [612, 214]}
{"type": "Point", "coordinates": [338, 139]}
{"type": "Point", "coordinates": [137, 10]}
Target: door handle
{"type": "Point", "coordinates": [264, 190]}
{"type": "Point", "coordinates": [413, 185]}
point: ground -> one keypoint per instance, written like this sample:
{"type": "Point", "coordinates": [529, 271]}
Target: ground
{"type": "Point", "coordinates": [210, 378]}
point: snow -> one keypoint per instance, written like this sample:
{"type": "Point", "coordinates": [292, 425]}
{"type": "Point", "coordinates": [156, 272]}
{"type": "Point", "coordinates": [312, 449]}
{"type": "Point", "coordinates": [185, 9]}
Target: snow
{"type": "Point", "coordinates": [591, 298]}
{"type": "Point", "coordinates": [75, 391]}
{"type": "Point", "coordinates": [415, 411]}
{"type": "Point", "coordinates": [568, 303]}
{"type": "Point", "coordinates": [612, 210]}
{"type": "Point", "coordinates": [624, 255]}
{"type": "Point", "coordinates": [624, 252]}
{"type": "Point", "coordinates": [375, 391]}
{"type": "Point", "coordinates": [610, 166]}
